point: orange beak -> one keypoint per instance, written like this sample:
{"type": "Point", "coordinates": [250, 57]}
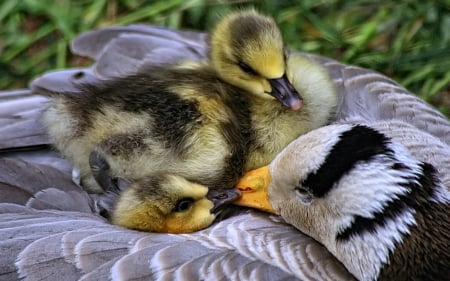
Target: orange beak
{"type": "Point", "coordinates": [254, 187]}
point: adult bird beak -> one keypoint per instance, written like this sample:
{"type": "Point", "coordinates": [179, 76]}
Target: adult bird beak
{"type": "Point", "coordinates": [222, 197]}
{"type": "Point", "coordinates": [254, 186]}
{"type": "Point", "coordinates": [285, 93]}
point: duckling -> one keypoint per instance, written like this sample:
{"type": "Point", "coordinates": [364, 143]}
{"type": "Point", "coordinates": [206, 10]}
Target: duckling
{"type": "Point", "coordinates": [188, 121]}
{"type": "Point", "coordinates": [376, 208]}
{"type": "Point", "coordinates": [247, 51]}
{"type": "Point", "coordinates": [160, 202]}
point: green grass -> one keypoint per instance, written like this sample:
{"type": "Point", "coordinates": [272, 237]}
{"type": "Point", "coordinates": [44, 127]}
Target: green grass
{"type": "Point", "coordinates": [406, 40]}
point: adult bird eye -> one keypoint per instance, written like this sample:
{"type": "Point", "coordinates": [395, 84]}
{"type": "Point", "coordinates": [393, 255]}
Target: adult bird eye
{"type": "Point", "coordinates": [304, 194]}
{"type": "Point", "coordinates": [301, 190]}
{"type": "Point", "coordinates": [184, 204]}
{"type": "Point", "coordinates": [246, 68]}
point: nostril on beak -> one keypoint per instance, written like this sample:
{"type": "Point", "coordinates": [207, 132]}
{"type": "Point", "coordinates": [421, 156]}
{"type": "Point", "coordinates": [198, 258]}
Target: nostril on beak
{"type": "Point", "coordinates": [221, 198]}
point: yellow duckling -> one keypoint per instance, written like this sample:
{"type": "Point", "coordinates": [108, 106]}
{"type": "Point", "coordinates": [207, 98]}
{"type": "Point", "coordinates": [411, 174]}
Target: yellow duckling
{"type": "Point", "coordinates": [181, 130]}
{"type": "Point", "coordinates": [158, 202]}
{"type": "Point", "coordinates": [247, 50]}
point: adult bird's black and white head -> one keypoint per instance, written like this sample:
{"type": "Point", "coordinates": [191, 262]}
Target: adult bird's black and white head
{"type": "Point", "coordinates": [382, 213]}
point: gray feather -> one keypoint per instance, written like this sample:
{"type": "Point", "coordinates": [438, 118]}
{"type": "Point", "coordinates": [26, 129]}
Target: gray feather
{"type": "Point", "coordinates": [66, 82]}
{"type": "Point", "coordinates": [41, 187]}
{"type": "Point", "coordinates": [39, 260]}
{"type": "Point", "coordinates": [20, 227]}
{"type": "Point", "coordinates": [123, 50]}
{"type": "Point", "coordinates": [94, 43]}
{"type": "Point", "coordinates": [71, 240]}
{"type": "Point", "coordinates": [18, 123]}
{"type": "Point", "coordinates": [97, 249]}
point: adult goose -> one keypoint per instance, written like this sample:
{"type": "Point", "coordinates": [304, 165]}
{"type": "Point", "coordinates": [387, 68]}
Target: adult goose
{"type": "Point", "coordinates": [50, 231]}
{"type": "Point", "coordinates": [381, 212]}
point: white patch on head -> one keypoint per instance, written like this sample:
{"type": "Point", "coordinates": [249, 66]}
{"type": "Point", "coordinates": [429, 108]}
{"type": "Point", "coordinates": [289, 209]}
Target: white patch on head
{"type": "Point", "coordinates": [305, 155]}
{"type": "Point", "coordinates": [368, 187]}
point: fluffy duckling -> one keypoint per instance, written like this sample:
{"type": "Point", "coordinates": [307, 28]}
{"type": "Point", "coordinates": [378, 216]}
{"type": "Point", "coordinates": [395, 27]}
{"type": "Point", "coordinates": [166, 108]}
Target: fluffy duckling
{"type": "Point", "coordinates": [377, 209]}
{"type": "Point", "coordinates": [158, 202]}
{"type": "Point", "coordinates": [247, 50]}
{"type": "Point", "coordinates": [187, 124]}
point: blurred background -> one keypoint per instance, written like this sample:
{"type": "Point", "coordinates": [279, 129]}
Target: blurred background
{"type": "Point", "coordinates": [407, 40]}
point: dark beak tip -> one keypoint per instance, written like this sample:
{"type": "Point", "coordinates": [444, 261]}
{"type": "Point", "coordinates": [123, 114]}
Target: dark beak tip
{"type": "Point", "coordinates": [235, 193]}
{"type": "Point", "coordinates": [285, 93]}
{"type": "Point", "coordinates": [221, 198]}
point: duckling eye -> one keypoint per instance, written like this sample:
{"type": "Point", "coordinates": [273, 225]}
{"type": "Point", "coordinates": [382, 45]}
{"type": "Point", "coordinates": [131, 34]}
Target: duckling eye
{"type": "Point", "coordinates": [246, 68]}
{"type": "Point", "coordinates": [184, 204]}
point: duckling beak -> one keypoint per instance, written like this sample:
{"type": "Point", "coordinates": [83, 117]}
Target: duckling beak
{"type": "Point", "coordinates": [285, 93]}
{"type": "Point", "coordinates": [254, 186]}
{"type": "Point", "coordinates": [221, 198]}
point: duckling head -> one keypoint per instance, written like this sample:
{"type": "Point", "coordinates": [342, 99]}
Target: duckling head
{"type": "Point", "coordinates": [247, 51]}
{"type": "Point", "coordinates": [169, 204]}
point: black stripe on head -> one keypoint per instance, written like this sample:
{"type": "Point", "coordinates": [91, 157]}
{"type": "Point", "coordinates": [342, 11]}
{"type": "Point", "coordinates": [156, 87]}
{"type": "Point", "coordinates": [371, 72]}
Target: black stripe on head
{"type": "Point", "coordinates": [421, 188]}
{"type": "Point", "coordinates": [358, 144]}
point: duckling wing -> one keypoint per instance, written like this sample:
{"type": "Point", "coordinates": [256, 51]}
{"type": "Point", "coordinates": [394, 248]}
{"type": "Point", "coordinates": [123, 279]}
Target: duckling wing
{"type": "Point", "coordinates": [122, 50]}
